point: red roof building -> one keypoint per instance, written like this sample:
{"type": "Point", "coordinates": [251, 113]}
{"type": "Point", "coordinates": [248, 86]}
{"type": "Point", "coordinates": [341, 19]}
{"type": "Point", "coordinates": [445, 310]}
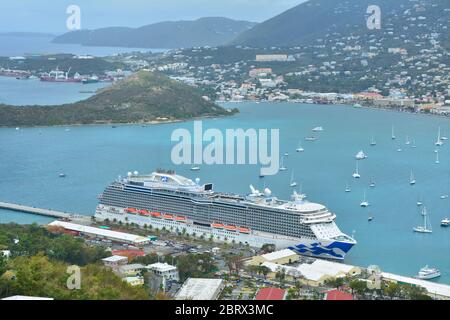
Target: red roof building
{"type": "Point", "coordinates": [271, 294]}
{"type": "Point", "coordinates": [338, 295]}
{"type": "Point", "coordinates": [130, 254]}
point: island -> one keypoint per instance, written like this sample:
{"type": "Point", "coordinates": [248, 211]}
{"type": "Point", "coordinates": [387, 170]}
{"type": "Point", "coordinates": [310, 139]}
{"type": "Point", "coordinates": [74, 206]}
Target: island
{"type": "Point", "coordinates": [144, 97]}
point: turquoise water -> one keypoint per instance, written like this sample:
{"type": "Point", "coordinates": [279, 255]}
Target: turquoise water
{"type": "Point", "coordinates": [44, 93]}
{"type": "Point", "coordinates": [92, 156]}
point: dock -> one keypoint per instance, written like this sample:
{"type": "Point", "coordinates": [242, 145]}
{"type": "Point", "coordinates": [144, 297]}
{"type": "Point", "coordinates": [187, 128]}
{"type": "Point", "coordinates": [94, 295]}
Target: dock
{"type": "Point", "coordinates": [43, 212]}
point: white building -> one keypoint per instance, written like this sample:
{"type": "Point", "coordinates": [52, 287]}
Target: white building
{"type": "Point", "coordinates": [164, 270]}
{"type": "Point", "coordinates": [271, 57]}
{"type": "Point", "coordinates": [200, 289]}
{"type": "Point", "coordinates": [115, 261]}
{"type": "Point", "coordinates": [116, 236]}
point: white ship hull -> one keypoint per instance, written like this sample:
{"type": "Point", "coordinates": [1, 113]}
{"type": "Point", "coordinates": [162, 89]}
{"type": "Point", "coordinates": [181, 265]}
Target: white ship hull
{"type": "Point", "coordinates": [323, 248]}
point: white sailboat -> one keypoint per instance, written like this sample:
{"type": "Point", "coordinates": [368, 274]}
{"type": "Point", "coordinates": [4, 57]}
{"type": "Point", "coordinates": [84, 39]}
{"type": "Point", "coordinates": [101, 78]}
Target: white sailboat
{"type": "Point", "coordinates": [439, 140]}
{"type": "Point", "coordinates": [414, 144]}
{"type": "Point", "coordinates": [356, 174]}
{"type": "Point", "coordinates": [293, 183]}
{"type": "Point", "coordinates": [347, 187]}
{"type": "Point", "coordinates": [407, 141]}
{"type": "Point", "coordinates": [365, 203]}
{"type": "Point", "coordinates": [392, 133]}
{"type": "Point", "coordinates": [412, 180]}
{"type": "Point", "coordinates": [426, 227]}
{"type": "Point", "coordinates": [282, 167]}
{"type": "Point", "coordinates": [372, 183]}
{"type": "Point", "coordinates": [373, 142]}
{"type": "Point", "coordinates": [437, 158]}
{"type": "Point", "coordinates": [419, 202]}
{"type": "Point", "coordinates": [300, 148]}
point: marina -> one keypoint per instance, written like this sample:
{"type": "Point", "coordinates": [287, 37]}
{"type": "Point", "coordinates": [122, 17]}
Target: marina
{"type": "Point", "coordinates": [93, 156]}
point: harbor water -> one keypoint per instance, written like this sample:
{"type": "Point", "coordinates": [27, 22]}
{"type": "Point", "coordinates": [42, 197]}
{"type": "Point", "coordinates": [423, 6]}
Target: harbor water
{"type": "Point", "coordinates": [31, 160]}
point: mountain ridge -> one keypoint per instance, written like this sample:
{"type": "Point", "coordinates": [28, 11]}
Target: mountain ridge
{"type": "Point", "coordinates": [208, 31]}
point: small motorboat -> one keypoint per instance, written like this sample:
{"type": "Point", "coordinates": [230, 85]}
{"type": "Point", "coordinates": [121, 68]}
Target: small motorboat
{"type": "Point", "coordinates": [445, 222]}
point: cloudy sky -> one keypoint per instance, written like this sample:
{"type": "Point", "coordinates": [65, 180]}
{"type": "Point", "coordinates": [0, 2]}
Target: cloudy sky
{"type": "Point", "coordinates": [50, 15]}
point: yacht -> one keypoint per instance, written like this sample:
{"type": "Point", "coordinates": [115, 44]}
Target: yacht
{"type": "Point", "coordinates": [300, 148]}
{"type": "Point", "coordinates": [311, 138]}
{"type": "Point", "coordinates": [439, 140]}
{"type": "Point", "coordinates": [360, 155]}
{"type": "Point", "coordinates": [427, 273]}
{"type": "Point", "coordinates": [370, 218]}
{"type": "Point", "coordinates": [412, 180]}
{"type": "Point", "coordinates": [62, 175]}
{"type": "Point", "coordinates": [426, 227]}
{"type": "Point", "coordinates": [286, 154]}
{"type": "Point", "coordinates": [445, 222]}
{"type": "Point", "coordinates": [444, 196]}
{"type": "Point", "coordinates": [365, 203]}
{"type": "Point", "coordinates": [419, 202]}
{"type": "Point", "coordinates": [317, 129]}
{"type": "Point", "coordinates": [195, 168]}
{"type": "Point", "coordinates": [356, 174]}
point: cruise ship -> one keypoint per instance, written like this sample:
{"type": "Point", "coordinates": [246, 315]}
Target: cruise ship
{"type": "Point", "coordinates": [166, 200]}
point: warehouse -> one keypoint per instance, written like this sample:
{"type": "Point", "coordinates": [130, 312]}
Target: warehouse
{"type": "Point", "coordinates": [200, 289]}
{"type": "Point", "coordinates": [102, 233]}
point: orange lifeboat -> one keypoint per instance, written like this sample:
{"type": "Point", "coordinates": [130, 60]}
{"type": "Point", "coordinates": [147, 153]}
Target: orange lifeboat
{"type": "Point", "coordinates": [230, 228]}
{"type": "Point", "coordinates": [156, 214]}
{"type": "Point", "coordinates": [243, 230]}
{"type": "Point", "coordinates": [131, 210]}
{"type": "Point", "coordinates": [144, 212]}
{"type": "Point", "coordinates": [217, 225]}
{"type": "Point", "coordinates": [168, 216]}
{"type": "Point", "coordinates": [180, 219]}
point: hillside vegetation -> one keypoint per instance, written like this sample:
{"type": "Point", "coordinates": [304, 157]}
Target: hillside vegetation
{"type": "Point", "coordinates": [142, 97]}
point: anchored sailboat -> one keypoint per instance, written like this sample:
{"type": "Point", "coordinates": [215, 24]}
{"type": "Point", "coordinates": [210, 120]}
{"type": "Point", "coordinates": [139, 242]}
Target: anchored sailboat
{"type": "Point", "coordinates": [392, 133]}
{"type": "Point", "coordinates": [439, 140]}
{"type": "Point", "coordinates": [356, 174]}
{"type": "Point", "coordinates": [282, 167]}
{"type": "Point", "coordinates": [347, 187]}
{"type": "Point", "coordinates": [426, 227]}
{"type": "Point", "coordinates": [293, 183]}
{"type": "Point", "coordinates": [412, 180]}
{"type": "Point", "coordinates": [365, 203]}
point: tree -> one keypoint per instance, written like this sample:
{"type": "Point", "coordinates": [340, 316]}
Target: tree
{"type": "Point", "coordinates": [392, 290]}
{"type": "Point", "coordinates": [280, 275]}
{"type": "Point", "coordinates": [359, 287]}
{"type": "Point", "coordinates": [264, 271]}
{"type": "Point", "coordinates": [268, 247]}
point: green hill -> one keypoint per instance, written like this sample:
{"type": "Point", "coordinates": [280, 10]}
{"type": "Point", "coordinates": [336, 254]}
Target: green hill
{"type": "Point", "coordinates": [321, 19]}
{"type": "Point", "coordinates": [142, 97]}
{"type": "Point", "coordinates": [171, 34]}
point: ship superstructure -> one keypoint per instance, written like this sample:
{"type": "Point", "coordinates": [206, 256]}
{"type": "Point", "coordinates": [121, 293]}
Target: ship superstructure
{"type": "Point", "coordinates": [166, 200]}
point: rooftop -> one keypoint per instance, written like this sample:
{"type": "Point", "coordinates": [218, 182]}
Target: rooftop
{"type": "Point", "coordinates": [285, 253]}
{"type": "Point", "coordinates": [338, 295]}
{"type": "Point", "coordinates": [101, 232]}
{"type": "Point", "coordinates": [271, 294]}
{"type": "Point", "coordinates": [114, 259]}
{"type": "Point", "coordinates": [431, 287]}
{"type": "Point", "coordinates": [162, 267]}
{"type": "Point", "coordinates": [199, 289]}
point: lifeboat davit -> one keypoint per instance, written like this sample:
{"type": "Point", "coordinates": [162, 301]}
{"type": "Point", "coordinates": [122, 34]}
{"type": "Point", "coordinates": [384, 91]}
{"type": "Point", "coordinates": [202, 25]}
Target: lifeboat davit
{"type": "Point", "coordinates": [180, 219]}
{"type": "Point", "coordinates": [131, 210]}
{"type": "Point", "coordinates": [168, 216]}
{"type": "Point", "coordinates": [156, 214]}
{"type": "Point", "coordinates": [144, 212]}
{"type": "Point", "coordinates": [217, 225]}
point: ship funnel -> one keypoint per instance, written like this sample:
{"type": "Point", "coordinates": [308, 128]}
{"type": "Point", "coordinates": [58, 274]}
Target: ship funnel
{"type": "Point", "coordinates": [267, 192]}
